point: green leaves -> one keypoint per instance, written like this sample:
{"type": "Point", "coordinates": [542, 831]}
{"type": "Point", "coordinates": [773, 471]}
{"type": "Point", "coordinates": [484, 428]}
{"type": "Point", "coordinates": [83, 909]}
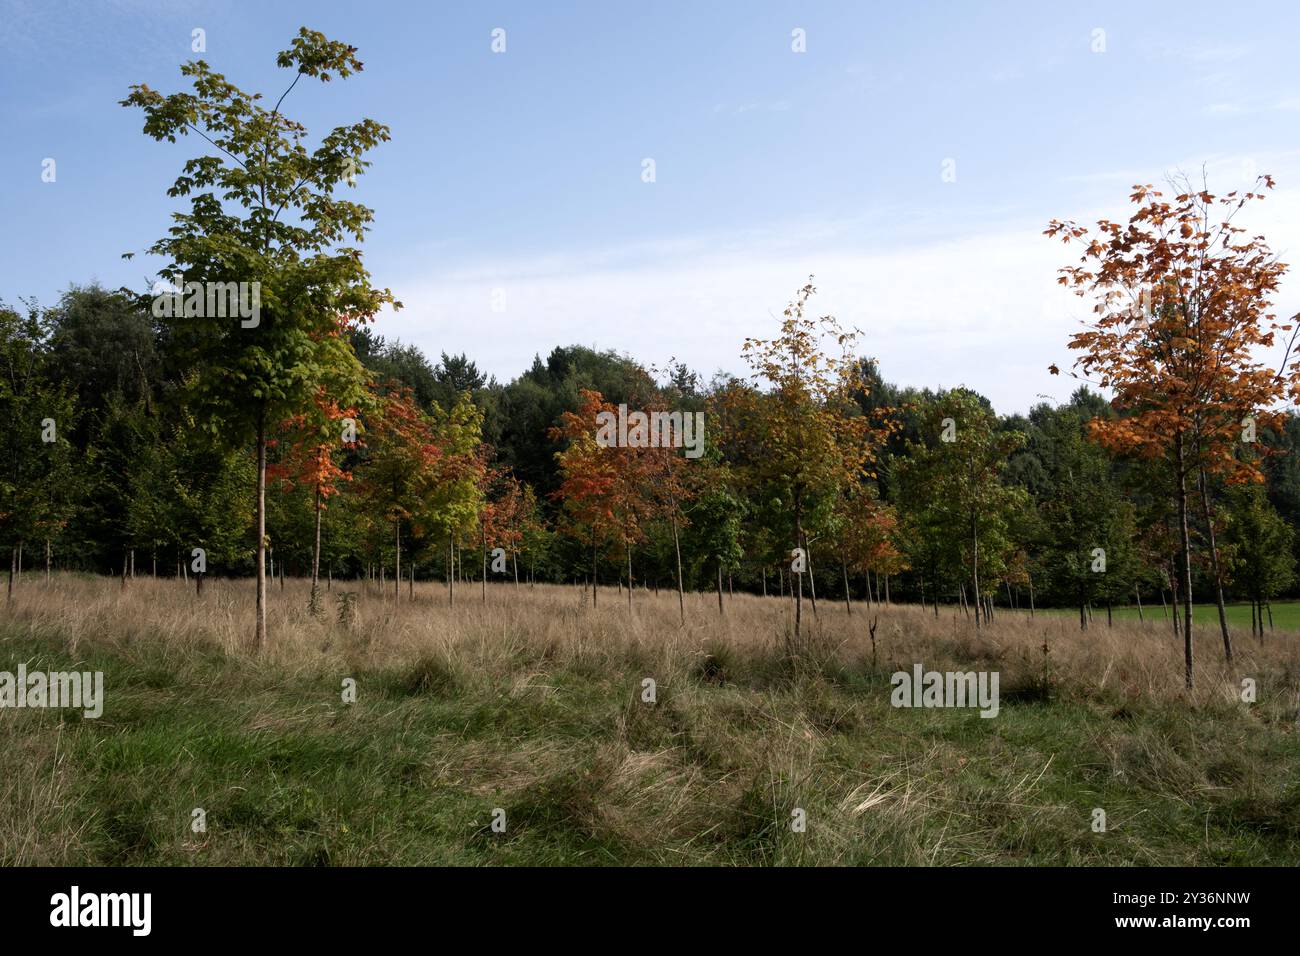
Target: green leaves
{"type": "Point", "coordinates": [261, 210]}
{"type": "Point", "coordinates": [315, 55]}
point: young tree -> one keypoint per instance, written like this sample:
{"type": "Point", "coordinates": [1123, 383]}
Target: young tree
{"type": "Point", "coordinates": [1260, 543]}
{"type": "Point", "coordinates": [952, 481]}
{"type": "Point", "coordinates": [866, 535]}
{"type": "Point", "coordinates": [1183, 313]}
{"type": "Point", "coordinates": [1089, 527]}
{"type": "Point", "coordinates": [715, 517]}
{"type": "Point", "coordinates": [402, 465]}
{"type": "Point", "coordinates": [263, 211]}
{"type": "Point", "coordinates": [452, 503]}
{"type": "Point", "coordinates": [806, 437]}
{"type": "Point", "coordinates": [588, 476]}
{"type": "Point", "coordinates": [308, 462]}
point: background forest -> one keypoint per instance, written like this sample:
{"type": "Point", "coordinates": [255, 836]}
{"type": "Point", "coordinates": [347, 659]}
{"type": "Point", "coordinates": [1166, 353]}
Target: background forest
{"type": "Point", "coordinates": [131, 482]}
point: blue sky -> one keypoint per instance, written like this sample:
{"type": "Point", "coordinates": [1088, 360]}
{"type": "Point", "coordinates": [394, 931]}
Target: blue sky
{"type": "Point", "coordinates": [511, 215]}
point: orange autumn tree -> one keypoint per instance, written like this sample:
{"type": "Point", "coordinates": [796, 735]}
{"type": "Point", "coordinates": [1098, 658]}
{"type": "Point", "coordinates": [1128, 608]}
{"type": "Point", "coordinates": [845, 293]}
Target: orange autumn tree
{"type": "Point", "coordinates": [589, 475]}
{"type": "Point", "coordinates": [403, 464]}
{"type": "Point", "coordinates": [866, 531]}
{"type": "Point", "coordinates": [308, 462]}
{"type": "Point", "coordinates": [506, 515]}
{"type": "Point", "coordinates": [1183, 311]}
{"type": "Point", "coordinates": [605, 489]}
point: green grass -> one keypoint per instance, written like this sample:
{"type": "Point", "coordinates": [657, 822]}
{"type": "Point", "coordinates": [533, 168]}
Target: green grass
{"type": "Point", "coordinates": [1286, 615]}
{"type": "Point", "coordinates": [588, 774]}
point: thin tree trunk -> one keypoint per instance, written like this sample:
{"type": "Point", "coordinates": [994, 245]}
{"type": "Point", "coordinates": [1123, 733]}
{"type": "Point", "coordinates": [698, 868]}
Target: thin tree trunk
{"type": "Point", "coordinates": [812, 578]}
{"type": "Point", "coordinates": [1214, 564]}
{"type": "Point", "coordinates": [798, 542]}
{"type": "Point", "coordinates": [720, 611]}
{"type": "Point", "coordinates": [1174, 599]}
{"type": "Point", "coordinates": [848, 605]}
{"type": "Point", "coordinates": [1185, 541]}
{"type": "Point", "coordinates": [1138, 592]}
{"type": "Point", "coordinates": [397, 558]}
{"type": "Point", "coordinates": [259, 629]}
{"type": "Point", "coordinates": [313, 601]}
{"type": "Point", "coordinates": [975, 566]}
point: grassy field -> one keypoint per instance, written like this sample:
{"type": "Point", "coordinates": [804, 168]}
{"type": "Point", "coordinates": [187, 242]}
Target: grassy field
{"type": "Point", "coordinates": [532, 704]}
{"type": "Point", "coordinates": [1286, 616]}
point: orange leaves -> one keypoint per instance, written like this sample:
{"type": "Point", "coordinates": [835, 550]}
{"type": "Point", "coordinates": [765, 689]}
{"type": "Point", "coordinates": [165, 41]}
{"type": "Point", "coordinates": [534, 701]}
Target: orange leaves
{"type": "Point", "coordinates": [589, 473]}
{"type": "Point", "coordinates": [1182, 363]}
{"type": "Point", "coordinates": [308, 460]}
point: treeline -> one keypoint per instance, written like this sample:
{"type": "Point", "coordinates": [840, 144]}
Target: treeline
{"type": "Point", "coordinates": [890, 494]}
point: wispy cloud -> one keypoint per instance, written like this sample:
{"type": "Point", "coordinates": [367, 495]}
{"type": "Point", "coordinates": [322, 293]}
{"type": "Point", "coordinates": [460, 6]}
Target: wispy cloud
{"type": "Point", "coordinates": [1289, 104]}
{"type": "Point", "coordinates": [976, 306]}
{"type": "Point", "coordinates": [1197, 51]}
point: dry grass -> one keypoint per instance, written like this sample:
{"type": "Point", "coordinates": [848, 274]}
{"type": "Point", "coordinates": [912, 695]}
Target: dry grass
{"type": "Point", "coordinates": [1140, 660]}
{"type": "Point", "coordinates": [532, 702]}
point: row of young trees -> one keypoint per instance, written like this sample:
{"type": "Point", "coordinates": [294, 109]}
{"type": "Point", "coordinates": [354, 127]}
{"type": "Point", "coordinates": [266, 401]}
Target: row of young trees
{"type": "Point", "coordinates": [300, 439]}
{"type": "Point", "coordinates": [934, 495]}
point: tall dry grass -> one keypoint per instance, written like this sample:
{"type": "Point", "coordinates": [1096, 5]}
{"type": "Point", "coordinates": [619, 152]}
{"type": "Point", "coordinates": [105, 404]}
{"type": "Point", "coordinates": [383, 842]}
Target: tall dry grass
{"type": "Point", "coordinates": [1138, 659]}
{"type": "Point", "coordinates": [531, 701]}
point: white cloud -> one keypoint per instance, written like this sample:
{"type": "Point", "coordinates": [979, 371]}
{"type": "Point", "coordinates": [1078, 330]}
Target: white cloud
{"type": "Point", "coordinates": [980, 308]}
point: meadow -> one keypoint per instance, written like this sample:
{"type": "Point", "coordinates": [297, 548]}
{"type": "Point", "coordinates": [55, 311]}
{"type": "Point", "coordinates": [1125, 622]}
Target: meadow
{"type": "Point", "coordinates": [1286, 616]}
{"type": "Point", "coordinates": [531, 703]}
